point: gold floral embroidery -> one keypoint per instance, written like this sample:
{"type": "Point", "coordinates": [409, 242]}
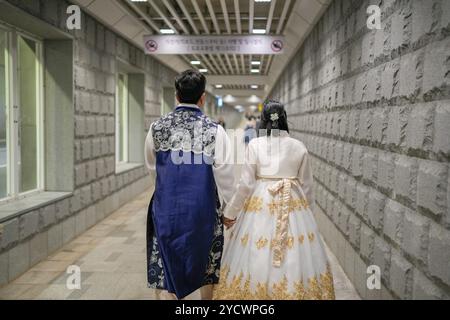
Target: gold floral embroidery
{"type": "Point", "coordinates": [301, 238]}
{"type": "Point", "coordinates": [290, 242]}
{"type": "Point", "coordinates": [311, 236]}
{"type": "Point", "coordinates": [253, 204]}
{"type": "Point", "coordinates": [244, 240]}
{"type": "Point", "coordinates": [300, 292]}
{"type": "Point", "coordinates": [261, 243]}
{"type": "Point", "coordinates": [280, 290]}
{"type": "Point", "coordinates": [261, 292]}
{"type": "Point", "coordinates": [294, 205]}
{"type": "Point", "coordinates": [318, 288]}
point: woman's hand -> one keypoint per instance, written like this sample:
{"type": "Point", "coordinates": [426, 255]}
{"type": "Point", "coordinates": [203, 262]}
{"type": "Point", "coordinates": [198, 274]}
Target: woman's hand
{"type": "Point", "coordinates": [228, 222]}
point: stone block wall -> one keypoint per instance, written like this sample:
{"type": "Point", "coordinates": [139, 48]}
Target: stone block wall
{"type": "Point", "coordinates": [373, 108]}
{"type": "Point", "coordinates": [99, 190]}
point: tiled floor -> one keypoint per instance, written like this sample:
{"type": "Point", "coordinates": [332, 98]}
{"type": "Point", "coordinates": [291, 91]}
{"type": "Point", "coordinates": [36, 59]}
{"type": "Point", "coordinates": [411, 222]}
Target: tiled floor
{"type": "Point", "coordinates": [111, 257]}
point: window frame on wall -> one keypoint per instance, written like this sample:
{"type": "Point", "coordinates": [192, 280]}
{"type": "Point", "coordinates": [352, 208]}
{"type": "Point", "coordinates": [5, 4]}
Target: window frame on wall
{"type": "Point", "coordinates": [13, 109]}
{"type": "Point", "coordinates": [122, 115]}
{"type": "Point", "coordinates": [129, 153]}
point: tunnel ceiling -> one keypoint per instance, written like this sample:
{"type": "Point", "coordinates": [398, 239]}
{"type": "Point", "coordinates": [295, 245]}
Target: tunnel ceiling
{"type": "Point", "coordinates": [291, 18]}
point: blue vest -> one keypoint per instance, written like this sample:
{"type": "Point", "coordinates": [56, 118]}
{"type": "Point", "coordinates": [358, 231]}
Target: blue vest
{"type": "Point", "coordinates": [184, 203]}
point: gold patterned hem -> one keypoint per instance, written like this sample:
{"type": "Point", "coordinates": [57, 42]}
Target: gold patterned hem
{"type": "Point", "coordinates": [317, 288]}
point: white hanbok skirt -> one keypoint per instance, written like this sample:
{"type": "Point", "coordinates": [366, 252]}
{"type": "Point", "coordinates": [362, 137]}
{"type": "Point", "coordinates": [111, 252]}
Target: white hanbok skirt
{"type": "Point", "coordinates": [274, 251]}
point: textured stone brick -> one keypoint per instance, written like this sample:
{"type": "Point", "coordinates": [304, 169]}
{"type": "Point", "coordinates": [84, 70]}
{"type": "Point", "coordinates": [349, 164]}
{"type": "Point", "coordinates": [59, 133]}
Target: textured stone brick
{"type": "Point", "coordinates": [367, 241]}
{"type": "Point", "coordinates": [68, 229]}
{"type": "Point", "coordinates": [80, 126]}
{"type": "Point", "coordinates": [415, 234]}
{"type": "Point", "coordinates": [382, 256]}
{"type": "Point", "coordinates": [405, 177]}
{"type": "Point", "coordinates": [431, 186]}
{"type": "Point", "coordinates": [18, 260]}
{"type": "Point", "coordinates": [350, 193]}
{"type": "Point", "coordinates": [393, 221]}
{"type": "Point", "coordinates": [9, 232]}
{"type": "Point", "coordinates": [385, 171]}
{"type": "Point", "coordinates": [389, 134]}
{"type": "Point", "coordinates": [379, 125]}
{"type": "Point", "coordinates": [28, 224]}
{"type": "Point", "coordinates": [47, 216]}
{"type": "Point", "coordinates": [421, 19]}
{"type": "Point", "coordinates": [80, 174]}
{"type": "Point", "coordinates": [398, 37]}
{"type": "Point", "coordinates": [38, 248]}
{"type": "Point", "coordinates": [441, 138]}
{"type": "Point", "coordinates": [424, 289]}
{"type": "Point", "coordinates": [375, 209]}
{"type": "Point", "coordinates": [445, 17]}
{"type": "Point", "coordinates": [370, 164]}
{"type": "Point", "coordinates": [439, 253]}
{"type": "Point", "coordinates": [362, 195]}
{"type": "Point", "coordinates": [55, 238]}
{"type": "Point", "coordinates": [4, 264]}
{"type": "Point", "coordinates": [419, 129]}
{"type": "Point", "coordinates": [344, 215]}
{"type": "Point", "coordinates": [354, 230]}
{"type": "Point", "coordinates": [62, 209]}
{"type": "Point", "coordinates": [400, 276]}
{"type": "Point", "coordinates": [411, 72]}
{"type": "Point", "coordinates": [396, 129]}
{"type": "Point", "coordinates": [389, 81]}
{"type": "Point", "coordinates": [436, 65]}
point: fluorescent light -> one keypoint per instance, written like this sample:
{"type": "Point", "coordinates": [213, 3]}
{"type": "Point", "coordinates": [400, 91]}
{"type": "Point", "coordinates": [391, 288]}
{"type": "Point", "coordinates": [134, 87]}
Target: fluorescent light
{"type": "Point", "coordinates": [195, 62]}
{"type": "Point", "coordinates": [256, 63]}
{"type": "Point", "coordinates": [254, 86]}
{"type": "Point", "coordinates": [219, 86]}
{"type": "Point", "coordinates": [263, 0]}
{"type": "Point", "coordinates": [255, 70]}
{"type": "Point", "coordinates": [166, 31]}
{"type": "Point", "coordinates": [203, 70]}
{"type": "Point", "coordinates": [138, 0]}
{"type": "Point", "coordinates": [259, 31]}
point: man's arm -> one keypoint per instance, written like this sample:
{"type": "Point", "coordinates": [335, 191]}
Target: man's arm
{"type": "Point", "coordinates": [223, 167]}
{"type": "Point", "coordinates": [150, 155]}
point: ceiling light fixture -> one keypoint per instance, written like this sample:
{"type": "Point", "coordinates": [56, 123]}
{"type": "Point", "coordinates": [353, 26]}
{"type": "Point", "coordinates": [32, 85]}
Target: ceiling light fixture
{"type": "Point", "coordinates": [259, 31]}
{"type": "Point", "coordinates": [219, 86]}
{"type": "Point", "coordinates": [254, 86]}
{"type": "Point", "coordinates": [255, 70]}
{"type": "Point", "coordinates": [256, 63]}
{"type": "Point", "coordinates": [195, 62]}
{"type": "Point", "coordinates": [203, 70]}
{"type": "Point", "coordinates": [166, 31]}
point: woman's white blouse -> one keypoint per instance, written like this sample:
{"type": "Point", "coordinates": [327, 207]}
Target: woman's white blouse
{"type": "Point", "coordinates": [272, 158]}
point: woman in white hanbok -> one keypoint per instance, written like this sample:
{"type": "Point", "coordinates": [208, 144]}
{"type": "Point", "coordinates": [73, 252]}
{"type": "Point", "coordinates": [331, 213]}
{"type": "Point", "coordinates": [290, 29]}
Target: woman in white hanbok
{"type": "Point", "coordinates": [273, 250]}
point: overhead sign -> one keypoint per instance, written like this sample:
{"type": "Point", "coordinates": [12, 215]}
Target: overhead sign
{"type": "Point", "coordinates": [230, 44]}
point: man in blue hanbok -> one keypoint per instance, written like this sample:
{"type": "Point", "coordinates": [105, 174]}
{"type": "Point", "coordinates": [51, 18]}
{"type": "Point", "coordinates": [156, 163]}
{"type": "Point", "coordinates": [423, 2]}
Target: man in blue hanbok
{"type": "Point", "coordinates": [188, 156]}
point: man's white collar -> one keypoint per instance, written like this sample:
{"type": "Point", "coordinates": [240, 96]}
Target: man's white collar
{"type": "Point", "coordinates": [188, 105]}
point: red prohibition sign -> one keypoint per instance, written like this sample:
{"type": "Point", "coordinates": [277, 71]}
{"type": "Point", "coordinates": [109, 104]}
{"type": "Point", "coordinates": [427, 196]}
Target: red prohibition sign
{"type": "Point", "coordinates": [277, 45]}
{"type": "Point", "coordinates": [151, 45]}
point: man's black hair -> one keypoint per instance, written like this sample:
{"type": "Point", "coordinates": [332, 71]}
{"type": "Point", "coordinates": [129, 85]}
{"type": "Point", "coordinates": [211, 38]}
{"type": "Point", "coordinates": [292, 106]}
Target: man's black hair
{"type": "Point", "coordinates": [190, 86]}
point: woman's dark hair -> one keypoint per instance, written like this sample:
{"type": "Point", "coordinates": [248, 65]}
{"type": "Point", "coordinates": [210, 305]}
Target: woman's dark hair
{"type": "Point", "coordinates": [190, 86]}
{"type": "Point", "coordinates": [273, 116]}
